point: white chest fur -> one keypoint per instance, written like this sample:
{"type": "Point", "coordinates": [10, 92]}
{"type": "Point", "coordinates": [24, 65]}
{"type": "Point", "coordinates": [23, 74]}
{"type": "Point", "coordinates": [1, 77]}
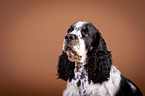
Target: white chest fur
{"type": "Point", "coordinates": [80, 85]}
{"type": "Point", "coordinates": [81, 80]}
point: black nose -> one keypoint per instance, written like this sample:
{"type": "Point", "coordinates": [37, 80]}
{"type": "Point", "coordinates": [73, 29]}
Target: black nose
{"type": "Point", "coordinates": [70, 37]}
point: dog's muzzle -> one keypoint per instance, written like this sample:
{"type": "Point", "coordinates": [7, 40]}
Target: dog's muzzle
{"type": "Point", "coordinates": [70, 41]}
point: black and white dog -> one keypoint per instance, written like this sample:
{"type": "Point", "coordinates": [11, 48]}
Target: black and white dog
{"type": "Point", "coordinates": [86, 65]}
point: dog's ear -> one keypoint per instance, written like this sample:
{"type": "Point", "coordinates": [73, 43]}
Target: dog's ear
{"type": "Point", "coordinates": [99, 60]}
{"type": "Point", "coordinates": [65, 67]}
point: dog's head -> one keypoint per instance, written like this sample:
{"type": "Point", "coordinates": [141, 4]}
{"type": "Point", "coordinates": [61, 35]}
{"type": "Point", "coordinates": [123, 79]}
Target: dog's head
{"type": "Point", "coordinates": [79, 40]}
{"type": "Point", "coordinates": [84, 43]}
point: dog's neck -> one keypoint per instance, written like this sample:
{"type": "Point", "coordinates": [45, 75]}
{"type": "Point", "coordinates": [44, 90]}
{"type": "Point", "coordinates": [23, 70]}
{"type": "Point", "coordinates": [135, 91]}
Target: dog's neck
{"type": "Point", "coordinates": [82, 62]}
{"type": "Point", "coordinates": [79, 65]}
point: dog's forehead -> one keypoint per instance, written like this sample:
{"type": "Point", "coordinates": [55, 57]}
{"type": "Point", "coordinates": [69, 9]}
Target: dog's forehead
{"type": "Point", "coordinates": [79, 24]}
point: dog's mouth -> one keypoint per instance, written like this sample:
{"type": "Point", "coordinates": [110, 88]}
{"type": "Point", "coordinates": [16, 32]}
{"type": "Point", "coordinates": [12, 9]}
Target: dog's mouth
{"type": "Point", "coordinates": [68, 48]}
{"type": "Point", "coordinates": [71, 53]}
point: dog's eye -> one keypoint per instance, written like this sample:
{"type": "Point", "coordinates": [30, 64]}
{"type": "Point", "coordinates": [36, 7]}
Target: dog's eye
{"type": "Point", "coordinates": [70, 29]}
{"type": "Point", "coordinates": [85, 31]}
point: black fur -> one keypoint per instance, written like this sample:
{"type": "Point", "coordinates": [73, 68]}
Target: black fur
{"type": "Point", "coordinates": [65, 67]}
{"type": "Point", "coordinates": [99, 61]}
{"type": "Point", "coordinates": [126, 90]}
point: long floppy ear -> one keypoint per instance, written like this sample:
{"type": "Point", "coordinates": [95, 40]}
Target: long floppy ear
{"type": "Point", "coordinates": [99, 60]}
{"type": "Point", "coordinates": [65, 67]}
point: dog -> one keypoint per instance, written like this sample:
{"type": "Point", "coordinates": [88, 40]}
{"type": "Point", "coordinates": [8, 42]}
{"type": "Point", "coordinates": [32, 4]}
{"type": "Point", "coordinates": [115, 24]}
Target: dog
{"type": "Point", "coordinates": [86, 65]}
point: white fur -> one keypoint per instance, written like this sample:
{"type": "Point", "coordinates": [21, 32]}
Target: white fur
{"type": "Point", "coordinates": [71, 90]}
{"type": "Point", "coordinates": [107, 88]}
{"type": "Point", "coordinates": [80, 23]}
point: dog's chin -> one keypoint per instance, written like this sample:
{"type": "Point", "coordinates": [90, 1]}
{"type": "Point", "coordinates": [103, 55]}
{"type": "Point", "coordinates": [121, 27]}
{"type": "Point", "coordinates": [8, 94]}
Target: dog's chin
{"type": "Point", "coordinates": [74, 58]}
{"type": "Point", "coordinates": [72, 55]}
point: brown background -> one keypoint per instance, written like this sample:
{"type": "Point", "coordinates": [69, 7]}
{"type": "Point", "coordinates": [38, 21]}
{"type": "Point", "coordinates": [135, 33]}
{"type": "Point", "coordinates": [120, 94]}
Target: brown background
{"type": "Point", "coordinates": [32, 32]}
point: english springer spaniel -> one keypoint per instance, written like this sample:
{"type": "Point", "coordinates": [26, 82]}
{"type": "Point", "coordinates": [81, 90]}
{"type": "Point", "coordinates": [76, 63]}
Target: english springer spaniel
{"type": "Point", "coordinates": [86, 65]}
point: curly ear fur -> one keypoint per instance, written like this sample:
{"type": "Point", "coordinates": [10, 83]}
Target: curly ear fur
{"type": "Point", "coordinates": [65, 67]}
{"type": "Point", "coordinates": [99, 61]}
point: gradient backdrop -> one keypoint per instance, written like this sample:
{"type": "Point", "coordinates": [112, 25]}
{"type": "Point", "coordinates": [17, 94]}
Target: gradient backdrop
{"type": "Point", "coordinates": [32, 32]}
